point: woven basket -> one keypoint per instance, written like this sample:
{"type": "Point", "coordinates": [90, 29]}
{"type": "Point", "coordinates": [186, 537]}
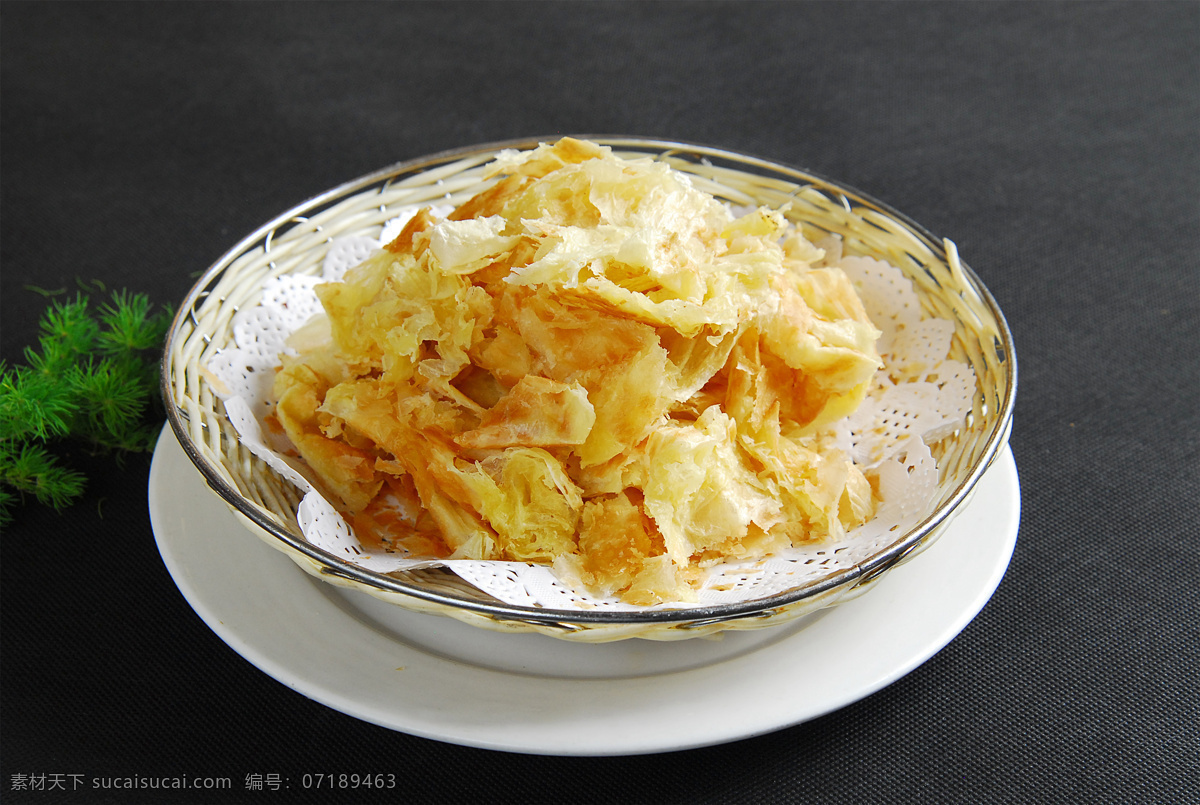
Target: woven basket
{"type": "Point", "coordinates": [296, 242]}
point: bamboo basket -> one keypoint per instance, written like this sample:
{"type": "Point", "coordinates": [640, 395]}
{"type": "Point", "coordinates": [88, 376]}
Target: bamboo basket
{"type": "Point", "coordinates": [296, 241]}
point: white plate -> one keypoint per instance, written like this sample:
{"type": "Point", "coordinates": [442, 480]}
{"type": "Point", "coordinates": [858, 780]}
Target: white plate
{"type": "Point", "coordinates": [441, 679]}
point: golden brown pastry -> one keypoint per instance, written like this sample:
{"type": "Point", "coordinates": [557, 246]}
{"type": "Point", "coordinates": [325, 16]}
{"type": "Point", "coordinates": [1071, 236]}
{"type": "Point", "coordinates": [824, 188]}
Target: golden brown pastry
{"type": "Point", "coordinates": [590, 363]}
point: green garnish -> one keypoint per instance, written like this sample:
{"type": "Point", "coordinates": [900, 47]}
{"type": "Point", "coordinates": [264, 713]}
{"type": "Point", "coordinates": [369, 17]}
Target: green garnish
{"type": "Point", "coordinates": [92, 379]}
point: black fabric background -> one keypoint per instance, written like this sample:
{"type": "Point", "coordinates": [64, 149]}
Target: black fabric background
{"type": "Point", "coordinates": [1057, 144]}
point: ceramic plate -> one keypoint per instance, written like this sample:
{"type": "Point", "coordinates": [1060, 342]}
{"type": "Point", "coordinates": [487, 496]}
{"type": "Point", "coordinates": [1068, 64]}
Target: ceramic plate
{"type": "Point", "coordinates": [438, 678]}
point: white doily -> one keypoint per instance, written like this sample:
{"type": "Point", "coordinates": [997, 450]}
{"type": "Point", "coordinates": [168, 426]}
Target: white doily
{"type": "Point", "coordinates": [920, 396]}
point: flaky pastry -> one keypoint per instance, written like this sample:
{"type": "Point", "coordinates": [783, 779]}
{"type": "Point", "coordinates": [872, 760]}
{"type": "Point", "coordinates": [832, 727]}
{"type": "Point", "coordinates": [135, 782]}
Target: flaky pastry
{"type": "Point", "coordinates": [591, 364]}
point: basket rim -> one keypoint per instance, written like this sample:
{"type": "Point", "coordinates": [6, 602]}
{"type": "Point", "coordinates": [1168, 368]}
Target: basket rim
{"type": "Point", "coordinates": [332, 565]}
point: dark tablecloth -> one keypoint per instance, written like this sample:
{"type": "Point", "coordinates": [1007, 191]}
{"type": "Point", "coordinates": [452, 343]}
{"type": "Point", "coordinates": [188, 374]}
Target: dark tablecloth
{"type": "Point", "coordinates": [1057, 144]}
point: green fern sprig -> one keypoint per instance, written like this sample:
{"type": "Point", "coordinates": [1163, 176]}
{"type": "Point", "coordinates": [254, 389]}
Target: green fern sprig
{"type": "Point", "coordinates": [34, 404]}
{"type": "Point", "coordinates": [92, 379]}
{"type": "Point", "coordinates": [29, 468]}
{"type": "Point", "coordinates": [130, 324]}
{"type": "Point", "coordinates": [70, 326]}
